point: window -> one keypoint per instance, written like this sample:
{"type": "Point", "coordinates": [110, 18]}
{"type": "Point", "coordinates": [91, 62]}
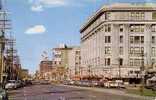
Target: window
{"type": "Point", "coordinates": [107, 62]}
{"type": "Point", "coordinates": [153, 39]}
{"type": "Point", "coordinates": [121, 50]}
{"type": "Point", "coordinates": [136, 39]}
{"type": "Point", "coordinates": [107, 16]}
{"type": "Point", "coordinates": [153, 28]}
{"type": "Point", "coordinates": [154, 15]}
{"type": "Point", "coordinates": [121, 28]}
{"type": "Point", "coordinates": [131, 50]}
{"type": "Point", "coordinates": [153, 61]}
{"type": "Point", "coordinates": [60, 62]}
{"type": "Point", "coordinates": [142, 39]}
{"type": "Point", "coordinates": [131, 39]}
{"type": "Point", "coordinates": [107, 39]}
{"type": "Point", "coordinates": [131, 62]}
{"type": "Point", "coordinates": [107, 50]}
{"type": "Point", "coordinates": [137, 15]}
{"type": "Point", "coordinates": [120, 61]}
{"type": "Point", "coordinates": [121, 39]}
{"type": "Point", "coordinates": [136, 28]}
{"type": "Point", "coordinates": [135, 62]}
{"type": "Point", "coordinates": [108, 28]}
{"type": "Point", "coordinates": [154, 51]}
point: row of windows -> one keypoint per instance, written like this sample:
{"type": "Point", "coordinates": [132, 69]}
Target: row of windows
{"type": "Point", "coordinates": [136, 39]}
{"type": "Point", "coordinates": [136, 50]}
{"type": "Point", "coordinates": [136, 62]}
{"type": "Point", "coordinates": [137, 15]}
{"type": "Point", "coordinates": [132, 62]}
{"type": "Point", "coordinates": [133, 16]}
{"type": "Point", "coordinates": [133, 28]}
{"type": "Point", "coordinates": [137, 28]}
{"type": "Point", "coordinates": [133, 39]}
{"type": "Point", "coordinates": [127, 15]}
{"type": "Point", "coordinates": [108, 50]}
{"type": "Point", "coordinates": [108, 39]}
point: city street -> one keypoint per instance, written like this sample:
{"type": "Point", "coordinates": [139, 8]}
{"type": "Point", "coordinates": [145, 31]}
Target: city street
{"type": "Point", "coordinates": [49, 92]}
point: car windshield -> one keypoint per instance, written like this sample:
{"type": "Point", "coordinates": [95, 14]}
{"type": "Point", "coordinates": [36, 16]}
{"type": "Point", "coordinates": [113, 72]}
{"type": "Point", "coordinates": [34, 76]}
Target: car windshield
{"type": "Point", "coordinates": [11, 81]}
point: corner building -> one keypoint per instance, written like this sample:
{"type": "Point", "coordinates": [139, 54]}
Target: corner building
{"type": "Point", "coordinates": [118, 40]}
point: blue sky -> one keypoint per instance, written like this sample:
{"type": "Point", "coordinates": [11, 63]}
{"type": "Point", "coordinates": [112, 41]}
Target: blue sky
{"type": "Point", "coordinates": [40, 25]}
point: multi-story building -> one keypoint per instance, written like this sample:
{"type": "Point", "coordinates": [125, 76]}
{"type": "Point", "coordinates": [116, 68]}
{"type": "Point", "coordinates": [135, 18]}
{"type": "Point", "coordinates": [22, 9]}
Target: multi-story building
{"type": "Point", "coordinates": [118, 40]}
{"type": "Point", "coordinates": [45, 69]}
{"type": "Point", "coordinates": [74, 62]}
{"type": "Point", "coordinates": [60, 61]}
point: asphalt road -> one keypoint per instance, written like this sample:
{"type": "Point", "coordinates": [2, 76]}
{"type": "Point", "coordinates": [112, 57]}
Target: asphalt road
{"type": "Point", "coordinates": [51, 92]}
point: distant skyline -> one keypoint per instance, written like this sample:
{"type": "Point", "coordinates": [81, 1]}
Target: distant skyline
{"type": "Point", "coordinates": [40, 25]}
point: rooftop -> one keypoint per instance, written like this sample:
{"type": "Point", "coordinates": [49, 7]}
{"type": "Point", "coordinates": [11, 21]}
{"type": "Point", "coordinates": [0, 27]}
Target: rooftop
{"type": "Point", "coordinates": [119, 6]}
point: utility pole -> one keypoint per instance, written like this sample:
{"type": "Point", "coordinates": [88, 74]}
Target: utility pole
{"type": "Point", "coordinates": [1, 5]}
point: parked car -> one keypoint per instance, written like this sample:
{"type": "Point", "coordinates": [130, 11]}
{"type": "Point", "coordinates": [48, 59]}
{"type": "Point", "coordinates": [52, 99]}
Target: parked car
{"type": "Point", "coordinates": [95, 83]}
{"type": "Point", "coordinates": [12, 84]}
{"type": "Point", "coordinates": [44, 82]}
{"type": "Point", "coordinates": [107, 84]}
{"type": "Point", "coordinates": [113, 84]}
{"type": "Point", "coordinates": [3, 94]}
{"type": "Point", "coordinates": [120, 83]}
{"type": "Point", "coordinates": [85, 83]}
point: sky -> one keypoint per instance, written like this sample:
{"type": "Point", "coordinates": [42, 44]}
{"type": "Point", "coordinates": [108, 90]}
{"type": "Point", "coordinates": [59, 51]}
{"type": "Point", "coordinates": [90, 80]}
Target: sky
{"type": "Point", "coordinates": [40, 25]}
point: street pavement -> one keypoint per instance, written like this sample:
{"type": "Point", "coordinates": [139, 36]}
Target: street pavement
{"type": "Point", "coordinates": [61, 92]}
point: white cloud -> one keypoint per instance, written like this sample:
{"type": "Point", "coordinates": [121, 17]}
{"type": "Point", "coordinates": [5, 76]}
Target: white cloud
{"type": "Point", "coordinates": [40, 5]}
{"type": "Point", "coordinates": [37, 29]}
{"type": "Point", "coordinates": [53, 2]}
{"type": "Point", "coordinates": [37, 8]}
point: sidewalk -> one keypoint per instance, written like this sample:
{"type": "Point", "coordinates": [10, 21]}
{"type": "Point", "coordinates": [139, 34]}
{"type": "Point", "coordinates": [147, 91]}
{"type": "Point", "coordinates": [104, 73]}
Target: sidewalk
{"type": "Point", "coordinates": [112, 91]}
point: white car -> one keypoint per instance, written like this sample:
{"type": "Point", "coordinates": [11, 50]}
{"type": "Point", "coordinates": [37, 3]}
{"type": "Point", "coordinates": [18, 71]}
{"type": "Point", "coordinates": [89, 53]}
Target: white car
{"type": "Point", "coordinates": [11, 85]}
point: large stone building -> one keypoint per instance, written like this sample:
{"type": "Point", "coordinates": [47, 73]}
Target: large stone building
{"type": "Point", "coordinates": [118, 40]}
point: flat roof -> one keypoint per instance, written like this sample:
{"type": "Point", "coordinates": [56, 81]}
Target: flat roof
{"type": "Point", "coordinates": [118, 7]}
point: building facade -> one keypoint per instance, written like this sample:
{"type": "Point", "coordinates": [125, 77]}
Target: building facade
{"type": "Point", "coordinates": [61, 61]}
{"type": "Point", "coordinates": [45, 69]}
{"type": "Point", "coordinates": [74, 63]}
{"type": "Point", "coordinates": [119, 40]}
